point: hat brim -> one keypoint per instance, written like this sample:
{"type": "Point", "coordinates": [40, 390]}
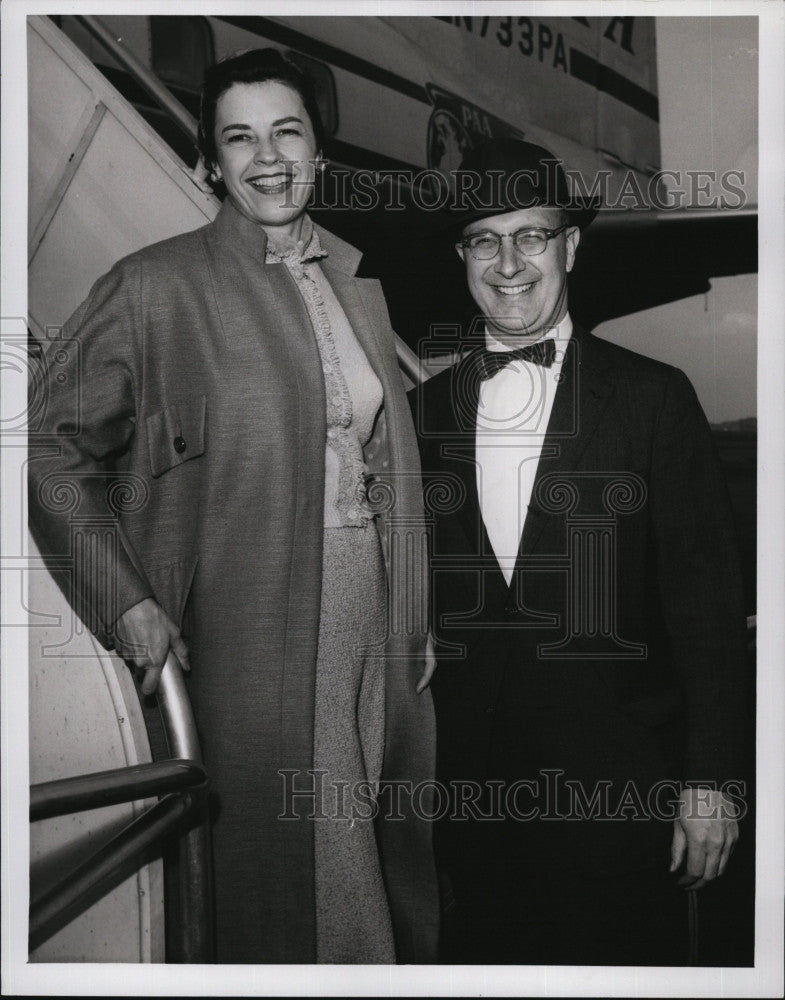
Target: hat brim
{"type": "Point", "coordinates": [579, 213]}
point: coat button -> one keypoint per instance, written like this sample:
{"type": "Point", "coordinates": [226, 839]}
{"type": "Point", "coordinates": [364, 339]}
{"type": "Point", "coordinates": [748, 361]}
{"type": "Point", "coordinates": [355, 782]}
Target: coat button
{"type": "Point", "coordinates": [179, 445]}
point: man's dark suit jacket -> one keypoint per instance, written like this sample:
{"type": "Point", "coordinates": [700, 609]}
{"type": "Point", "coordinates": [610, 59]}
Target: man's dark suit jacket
{"type": "Point", "coordinates": [617, 653]}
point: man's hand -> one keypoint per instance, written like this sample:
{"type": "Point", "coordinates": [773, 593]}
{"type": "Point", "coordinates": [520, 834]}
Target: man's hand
{"type": "Point", "coordinates": [705, 833]}
{"type": "Point", "coordinates": [430, 666]}
{"type": "Point", "coordinates": [144, 635]}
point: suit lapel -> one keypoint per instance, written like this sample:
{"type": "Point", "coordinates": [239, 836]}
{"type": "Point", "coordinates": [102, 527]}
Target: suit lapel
{"type": "Point", "coordinates": [345, 287]}
{"type": "Point", "coordinates": [456, 420]}
{"type": "Point", "coordinates": [582, 396]}
{"type": "Point", "coordinates": [255, 299]}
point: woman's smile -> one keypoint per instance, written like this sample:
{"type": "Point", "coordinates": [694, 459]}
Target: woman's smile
{"type": "Point", "coordinates": [274, 184]}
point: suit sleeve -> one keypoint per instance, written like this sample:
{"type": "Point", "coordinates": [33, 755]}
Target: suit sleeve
{"type": "Point", "coordinates": [89, 384]}
{"type": "Point", "coordinates": [700, 584]}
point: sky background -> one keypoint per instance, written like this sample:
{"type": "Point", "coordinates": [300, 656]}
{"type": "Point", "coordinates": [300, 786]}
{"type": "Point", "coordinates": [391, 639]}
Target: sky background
{"type": "Point", "coordinates": [708, 91]}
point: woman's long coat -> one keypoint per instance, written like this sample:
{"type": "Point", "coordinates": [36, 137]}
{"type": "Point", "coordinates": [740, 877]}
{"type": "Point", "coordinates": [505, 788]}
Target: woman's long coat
{"type": "Point", "coordinates": [193, 372]}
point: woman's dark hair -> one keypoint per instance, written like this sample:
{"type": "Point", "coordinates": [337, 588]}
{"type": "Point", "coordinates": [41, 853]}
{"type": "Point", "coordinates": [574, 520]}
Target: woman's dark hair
{"type": "Point", "coordinates": [253, 66]}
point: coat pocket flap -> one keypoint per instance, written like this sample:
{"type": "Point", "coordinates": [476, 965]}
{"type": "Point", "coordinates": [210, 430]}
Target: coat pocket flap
{"type": "Point", "coordinates": [176, 434]}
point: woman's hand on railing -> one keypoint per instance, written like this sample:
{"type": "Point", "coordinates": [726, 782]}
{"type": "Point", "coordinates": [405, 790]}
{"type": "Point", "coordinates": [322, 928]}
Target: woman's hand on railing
{"type": "Point", "coordinates": [145, 635]}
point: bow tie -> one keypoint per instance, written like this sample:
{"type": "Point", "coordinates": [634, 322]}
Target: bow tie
{"type": "Point", "coordinates": [541, 353]}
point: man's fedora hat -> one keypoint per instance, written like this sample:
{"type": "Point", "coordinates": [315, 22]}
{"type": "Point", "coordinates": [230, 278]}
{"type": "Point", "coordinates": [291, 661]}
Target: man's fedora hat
{"type": "Point", "coordinates": [505, 175]}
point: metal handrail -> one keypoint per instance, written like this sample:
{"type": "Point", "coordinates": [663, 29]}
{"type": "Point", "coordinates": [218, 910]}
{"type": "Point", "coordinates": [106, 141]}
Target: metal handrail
{"type": "Point", "coordinates": [185, 780]}
{"type": "Point", "coordinates": [143, 76]}
{"type": "Point", "coordinates": [178, 716]}
{"type": "Point", "coordinates": [57, 905]}
{"type": "Point", "coordinates": [407, 359]}
{"type": "Point", "coordinates": [107, 788]}
{"type": "Point", "coordinates": [192, 938]}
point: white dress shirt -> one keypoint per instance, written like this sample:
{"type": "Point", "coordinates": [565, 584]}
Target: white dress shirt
{"type": "Point", "coordinates": [513, 411]}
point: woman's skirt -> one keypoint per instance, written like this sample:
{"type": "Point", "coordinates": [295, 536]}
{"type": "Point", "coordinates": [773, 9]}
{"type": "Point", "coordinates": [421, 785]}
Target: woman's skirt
{"type": "Point", "coordinates": [353, 922]}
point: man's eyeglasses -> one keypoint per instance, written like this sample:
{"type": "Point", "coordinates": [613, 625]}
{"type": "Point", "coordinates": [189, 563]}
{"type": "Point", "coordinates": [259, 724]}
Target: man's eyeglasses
{"type": "Point", "coordinates": [531, 242]}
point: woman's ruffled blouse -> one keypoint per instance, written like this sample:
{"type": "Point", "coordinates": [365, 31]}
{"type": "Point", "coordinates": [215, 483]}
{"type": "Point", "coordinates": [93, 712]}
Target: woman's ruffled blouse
{"type": "Point", "coordinates": [354, 393]}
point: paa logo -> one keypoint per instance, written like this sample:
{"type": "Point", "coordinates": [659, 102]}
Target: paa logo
{"type": "Point", "coordinates": [455, 126]}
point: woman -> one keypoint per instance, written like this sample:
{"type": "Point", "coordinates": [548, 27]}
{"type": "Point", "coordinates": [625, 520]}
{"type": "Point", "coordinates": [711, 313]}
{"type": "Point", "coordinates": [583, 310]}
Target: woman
{"type": "Point", "coordinates": [236, 374]}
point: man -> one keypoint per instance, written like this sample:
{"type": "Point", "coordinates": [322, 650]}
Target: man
{"type": "Point", "coordinates": [587, 609]}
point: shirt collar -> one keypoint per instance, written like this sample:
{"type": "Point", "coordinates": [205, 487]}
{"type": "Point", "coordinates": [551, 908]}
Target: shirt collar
{"type": "Point", "coordinates": [561, 332]}
{"type": "Point", "coordinates": [282, 247]}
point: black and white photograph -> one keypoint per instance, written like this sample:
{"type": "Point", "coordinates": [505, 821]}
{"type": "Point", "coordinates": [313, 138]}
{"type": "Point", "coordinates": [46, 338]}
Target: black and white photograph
{"type": "Point", "coordinates": [392, 438]}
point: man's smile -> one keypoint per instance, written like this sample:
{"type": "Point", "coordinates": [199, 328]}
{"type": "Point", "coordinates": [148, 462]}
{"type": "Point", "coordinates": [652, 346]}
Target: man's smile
{"type": "Point", "coordinates": [514, 289]}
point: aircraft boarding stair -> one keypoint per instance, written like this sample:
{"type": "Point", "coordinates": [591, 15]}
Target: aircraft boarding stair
{"type": "Point", "coordinates": [102, 184]}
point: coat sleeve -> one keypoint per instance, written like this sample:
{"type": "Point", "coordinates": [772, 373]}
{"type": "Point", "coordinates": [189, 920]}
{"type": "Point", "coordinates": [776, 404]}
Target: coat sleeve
{"type": "Point", "coordinates": [89, 384]}
{"type": "Point", "coordinates": [700, 584]}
